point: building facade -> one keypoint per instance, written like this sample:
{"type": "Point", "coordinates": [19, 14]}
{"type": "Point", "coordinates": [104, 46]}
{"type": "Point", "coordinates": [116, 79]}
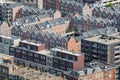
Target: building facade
{"type": "Point", "coordinates": [56, 61]}
{"type": "Point", "coordinates": [6, 41]}
{"type": "Point", "coordinates": [104, 48]}
{"type": "Point", "coordinates": [10, 11]}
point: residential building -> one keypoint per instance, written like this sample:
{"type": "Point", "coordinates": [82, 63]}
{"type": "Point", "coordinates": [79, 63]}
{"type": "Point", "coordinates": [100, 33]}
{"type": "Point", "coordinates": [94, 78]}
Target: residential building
{"type": "Point", "coordinates": [69, 6]}
{"type": "Point", "coordinates": [56, 61]}
{"type": "Point", "coordinates": [117, 76]}
{"type": "Point", "coordinates": [10, 71]}
{"type": "Point", "coordinates": [103, 47]}
{"type": "Point", "coordinates": [94, 70]}
{"type": "Point", "coordinates": [32, 3]}
{"type": "Point", "coordinates": [5, 28]}
{"type": "Point", "coordinates": [6, 41]}
{"type": "Point", "coordinates": [57, 26]}
{"type": "Point", "coordinates": [112, 13]}
{"type": "Point", "coordinates": [6, 65]}
{"type": "Point", "coordinates": [86, 23]}
{"type": "Point", "coordinates": [11, 11]}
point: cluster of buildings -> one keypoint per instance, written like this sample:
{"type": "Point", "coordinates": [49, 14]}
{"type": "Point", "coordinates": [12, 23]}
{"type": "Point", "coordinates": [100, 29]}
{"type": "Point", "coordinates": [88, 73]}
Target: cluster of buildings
{"type": "Point", "coordinates": [10, 71]}
{"type": "Point", "coordinates": [59, 40]}
{"type": "Point", "coordinates": [57, 61]}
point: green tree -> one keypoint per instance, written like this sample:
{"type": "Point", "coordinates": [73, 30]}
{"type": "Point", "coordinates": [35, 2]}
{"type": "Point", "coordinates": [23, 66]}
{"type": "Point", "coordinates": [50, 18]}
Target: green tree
{"type": "Point", "coordinates": [109, 5]}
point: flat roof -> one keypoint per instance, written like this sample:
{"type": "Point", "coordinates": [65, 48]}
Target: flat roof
{"type": "Point", "coordinates": [5, 56]}
{"type": "Point", "coordinates": [66, 51]}
{"type": "Point", "coordinates": [97, 39]}
{"type": "Point", "coordinates": [9, 37]}
{"type": "Point", "coordinates": [44, 52]}
{"type": "Point", "coordinates": [35, 43]}
{"type": "Point", "coordinates": [33, 74]}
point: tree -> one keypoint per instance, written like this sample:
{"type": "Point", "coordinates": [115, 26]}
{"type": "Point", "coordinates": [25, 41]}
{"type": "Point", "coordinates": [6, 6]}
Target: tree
{"type": "Point", "coordinates": [109, 5]}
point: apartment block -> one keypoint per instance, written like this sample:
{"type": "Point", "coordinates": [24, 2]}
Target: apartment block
{"type": "Point", "coordinates": [56, 61]}
{"type": "Point", "coordinates": [10, 11]}
{"type": "Point", "coordinates": [6, 41]}
{"type": "Point", "coordinates": [103, 47]}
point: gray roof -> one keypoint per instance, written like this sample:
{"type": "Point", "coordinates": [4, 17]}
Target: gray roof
{"type": "Point", "coordinates": [51, 23]}
{"type": "Point", "coordinates": [96, 32]}
{"type": "Point", "coordinates": [8, 5]}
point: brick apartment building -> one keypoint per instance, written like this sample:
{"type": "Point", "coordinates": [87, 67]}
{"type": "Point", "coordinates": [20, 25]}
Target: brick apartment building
{"type": "Point", "coordinates": [56, 61]}
{"type": "Point", "coordinates": [103, 47]}
{"type": "Point", "coordinates": [10, 11]}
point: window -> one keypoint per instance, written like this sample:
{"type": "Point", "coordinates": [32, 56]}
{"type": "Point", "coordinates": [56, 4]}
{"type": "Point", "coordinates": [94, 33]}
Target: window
{"type": "Point", "coordinates": [56, 61]}
{"type": "Point", "coordinates": [36, 55]}
{"type": "Point", "coordinates": [23, 52]}
{"type": "Point", "coordinates": [11, 49]}
{"type": "Point", "coordinates": [17, 50]}
{"type": "Point", "coordinates": [30, 54]}
{"type": "Point", "coordinates": [42, 57]}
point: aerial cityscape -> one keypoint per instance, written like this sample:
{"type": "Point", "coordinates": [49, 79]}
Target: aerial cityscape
{"type": "Point", "coordinates": [59, 39]}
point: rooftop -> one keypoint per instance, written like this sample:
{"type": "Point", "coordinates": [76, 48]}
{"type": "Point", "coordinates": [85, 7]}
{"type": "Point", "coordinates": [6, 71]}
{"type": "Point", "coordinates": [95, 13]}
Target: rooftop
{"type": "Point", "coordinates": [90, 67]}
{"type": "Point", "coordinates": [34, 74]}
{"type": "Point", "coordinates": [104, 39]}
{"type": "Point", "coordinates": [9, 37]}
{"type": "Point", "coordinates": [66, 51]}
{"type": "Point", "coordinates": [35, 43]}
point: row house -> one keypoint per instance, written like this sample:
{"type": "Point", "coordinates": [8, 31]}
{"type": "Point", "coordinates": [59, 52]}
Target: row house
{"type": "Point", "coordinates": [32, 18]}
{"type": "Point", "coordinates": [50, 39]}
{"type": "Point", "coordinates": [94, 70]}
{"type": "Point", "coordinates": [27, 11]}
{"type": "Point", "coordinates": [11, 11]}
{"type": "Point", "coordinates": [58, 26]}
{"type": "Point", "coordinates": [86, 23]}
{"type": "Point", "coordinates": [109, 13]}
{"type": "Point", "coordinates": [56, 61]}
{"type": "Point", "coordinates": [69, 6]}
